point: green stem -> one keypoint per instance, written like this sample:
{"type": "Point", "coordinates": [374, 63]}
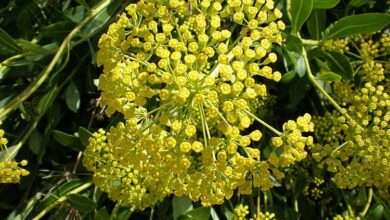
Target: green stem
{"type": "Point", "coordinates": [9, 60]}
{"type": "Point", "coordinates": [263, 123]}
{"type": "Point", "coordinates": [151, 213]}
{"type": "Point", "coordinates": [315, 83]}
{"type": "Point", "coordinates": [258, 202]}
{"type": "Point", "coordinates": [115, 211]}
{"type": "Point", "coordinates": [350, 212]}
{"type": "Point", "coordinates": [296, 205]}
{"type": "Point", "coordinates": [310, 42]}
{"type": "Point", "coordinates": [61, 200]}
{"type": "Point", "coordinates": [368, 204]}
{"type": "Point", "coordinates": [26, 93]}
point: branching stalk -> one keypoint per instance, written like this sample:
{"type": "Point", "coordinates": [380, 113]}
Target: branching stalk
{"type": "Point", "coordinates": [322, 90]}
{"type": "Point", "coordinates": [26, 93]}
{"type": "Point", "coordinates": [61, 200]}
{"type": "Point", "coordinates": [368, 204]}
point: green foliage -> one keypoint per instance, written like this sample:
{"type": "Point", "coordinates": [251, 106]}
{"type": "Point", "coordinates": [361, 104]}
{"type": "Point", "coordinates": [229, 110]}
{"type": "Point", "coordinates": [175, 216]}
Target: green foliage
{"type": "Point", "coordinates": [50, 107]}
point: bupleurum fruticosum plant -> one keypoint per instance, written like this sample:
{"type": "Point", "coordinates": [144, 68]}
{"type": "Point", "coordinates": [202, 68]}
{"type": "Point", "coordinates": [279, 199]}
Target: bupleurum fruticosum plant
{"type": "Point", "coordinates": [357, 150]}
{"type": "Point", "coordinates": [188, 78]}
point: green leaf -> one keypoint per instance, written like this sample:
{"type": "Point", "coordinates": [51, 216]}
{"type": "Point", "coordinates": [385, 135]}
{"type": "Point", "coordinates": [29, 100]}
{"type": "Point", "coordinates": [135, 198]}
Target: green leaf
{"type": "Point", "coordinates": [326, 4]}
{"type": "Point", "coordinates": [57, 31]}
{"type": "Point", "coordinates": [8, 42]}
{"type": "Point", "coordinates": [386, 210]}
{"type": "Point", "coordinates": [27, 46]}
{"type": "Point", "coordinates": [329, 77]}
{"type": "Point", "coordinates": [58, 192]}
{"type": "Point", "coordinates": [339, 64]}
{"type": "Point", "coordinates": [300, 67]}
{"type": "Point", "coordinates": [23, 23]}
{"type": "Point", "coordinates": [300, 11]}
{"type": "Point", "coordinates": [294, 43]}
{"type": "Point", "coordinates": [197, 214]}
{"type": "Point", "coordinates": [83, 3]}
{"type": "Point", "coordinates": [35, 142]}
{"type": "Point", "coordinates": [286, 78]}
{"type": "Point", "coordinates": [323, 66]}
{"type": "Point", "coordinates": [84, 135]}
{"type": "Point", "coordinates": [181, 205]}
{"type": "Point", "coordinates": [46, 101]}
{"type": "Point", "coordinates": [316, 23]}
{"type": "Point", "coordinates": [375, 213]}
{"type": "Point", "coordinates": [76, 14]}
{"type": "Point", "coordinates": [297, 90]}
{"type": "Point", "coordinates": [81, 203]}
{"type": "Point", "coordinates": [102, 214]}
{"type": "Point", "coordinates": [100, 20]}
{"type": "Point", "coordinates": [67, 140]}
{"type": "Point", "coordinates": [72, 96]}
{"type": "Point", "coordinates": [357, 24]}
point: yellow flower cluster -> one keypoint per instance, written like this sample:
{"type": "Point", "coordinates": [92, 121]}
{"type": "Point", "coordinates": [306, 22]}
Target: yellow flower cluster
{"type": "Point", "coordinates": [241, 211]}
{"type": "Point", "coordinates": [265, 216]}
{"type": "Point", "coordinates": [10, 172]}
{"type": "Point", "coordinates": [314, 190]}
{"type": "Point", "coordinates": [338, 45]}
{"type": "Point", "coordinates": [290, 146]}
{"type": "Point", "coordinates": [358, 150]}
{"type": "Point", "coordinates": [189, 84]}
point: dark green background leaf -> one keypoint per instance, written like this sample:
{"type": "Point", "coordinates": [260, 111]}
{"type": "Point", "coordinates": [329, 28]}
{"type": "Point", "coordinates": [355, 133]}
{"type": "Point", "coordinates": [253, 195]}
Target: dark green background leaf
{"type": "Point", "coordinates": [7, 41]}
{"type": "Point", "coordinates": [81, 203]}
{"type": "Point", "coordinates": [68, 140]}
{"type": "Point", "coordinates": [339, 64]}
{"type": "Point", "coordinates": [72, 96]}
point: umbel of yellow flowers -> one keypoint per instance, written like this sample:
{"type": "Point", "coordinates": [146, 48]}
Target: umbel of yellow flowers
{"type": "Point", "coordinates": [357, 151]}
{"type": "Point", "coordinates": [188, 77]}
{"type": "Point", "coordinates": [10, 172]}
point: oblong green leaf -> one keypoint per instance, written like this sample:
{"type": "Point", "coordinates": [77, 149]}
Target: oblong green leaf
{"type": "Point", "coordinates": [376, 213]}
{"type": "Point", "coordinates": [326, 4]}
{"type": "Point", "coordinates": [339, 64]}
{"type": "Point", "coordinates": [84, 135]}
{"type": "Point", "coordinates": [67, 140]}
{"type": "Point", "coordinates": [329, 77]}
{"type": "Point", "coordinates": [181, 205]}
{"type": "Point", "coordinates": [357, 24]}
{"type": "Point", "coordinates": [8, 42]}
{"type": "Point", "coordinates": [81, 203]}
{"type": "Point", "coordinates": [72, 97]}
{"type": "Point", "coordinates": [300, 67]}
{"type": "Point", "coordinates": [300, 11]}
{"type": "Point", "coordinates": [58, 192]}
{"type": "Point", "coordinates": [100, 20]}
